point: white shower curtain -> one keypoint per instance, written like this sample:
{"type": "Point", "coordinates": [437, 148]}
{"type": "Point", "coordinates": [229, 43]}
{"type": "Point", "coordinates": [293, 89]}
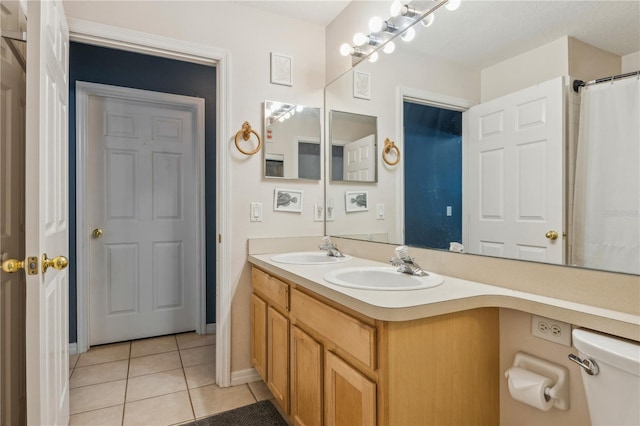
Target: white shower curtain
{"type": "Point", "coordinates": [606, 214]}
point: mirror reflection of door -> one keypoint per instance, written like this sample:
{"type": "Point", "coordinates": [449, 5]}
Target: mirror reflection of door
{"type": "Point", "coordinates": [432, 175]}
{"type": "Point", "coordinates": [353, 139]}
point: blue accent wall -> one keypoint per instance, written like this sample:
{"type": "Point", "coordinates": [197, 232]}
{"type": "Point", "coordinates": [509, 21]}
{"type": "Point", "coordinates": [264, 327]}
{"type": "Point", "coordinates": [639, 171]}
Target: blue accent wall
{"type": "Point", "coordinates": [433, 176]}
{"type": "Point", "coordinates": [127, 69]}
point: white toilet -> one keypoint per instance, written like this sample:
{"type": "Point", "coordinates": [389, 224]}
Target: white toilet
{"type": "Point", "coordinates": [613, 393]}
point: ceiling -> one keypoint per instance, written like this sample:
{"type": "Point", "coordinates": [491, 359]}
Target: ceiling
{"type": "Point", "coordinates": [481, 33]}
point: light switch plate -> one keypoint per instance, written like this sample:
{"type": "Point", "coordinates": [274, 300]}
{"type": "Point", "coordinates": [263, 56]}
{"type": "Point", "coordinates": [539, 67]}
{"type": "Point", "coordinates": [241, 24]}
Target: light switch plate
{"type": "Point", "coordinates": [318, 212]}
{"type": "Point", "coordinates": [379, 211]}
{"type": "Point", "coordinates": [255, 212]}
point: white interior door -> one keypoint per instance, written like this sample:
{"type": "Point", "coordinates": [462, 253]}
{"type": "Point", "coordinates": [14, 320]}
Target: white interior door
{"type": "Point", "coordinates": [359, 159]}
{"type": "Point", "coordinates": [13, 394]}
{"type": "Point", "coordinates": [47, 323]}
{"type": "Point", "coordinates": [515, 185]}
{"type": "Point", "coordinates": [142, 198]}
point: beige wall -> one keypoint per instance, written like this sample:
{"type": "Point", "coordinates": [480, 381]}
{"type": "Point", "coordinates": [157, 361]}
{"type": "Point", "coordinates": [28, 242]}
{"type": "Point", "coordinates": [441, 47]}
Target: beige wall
{"type": "Point", "coordinates": [587, 62]}
{"type": "Point", "coordinates": [250, 35]}
{"type": "Point", "coordinates": [631, 62]}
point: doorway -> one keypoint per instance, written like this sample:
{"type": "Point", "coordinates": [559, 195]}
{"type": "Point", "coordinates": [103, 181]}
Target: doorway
{"type": "Point", "coordinates": [104, 65]}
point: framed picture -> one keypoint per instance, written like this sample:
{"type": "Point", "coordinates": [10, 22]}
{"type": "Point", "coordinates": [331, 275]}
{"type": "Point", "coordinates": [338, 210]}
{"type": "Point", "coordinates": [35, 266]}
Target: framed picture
{"type": "Point", "coordinates": [287, 200]}
{"type": "Point", "coordinates": [361, 85]}
{"type": "Point", "coordinates": [356, 201]}
{"type": "Point", "coordinates": [281, 69]}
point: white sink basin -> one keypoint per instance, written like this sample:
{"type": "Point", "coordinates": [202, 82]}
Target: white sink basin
{"type": "Point", "coordinates": [381, 278]}
{"type": "Point", "coordinates": [309, 258]}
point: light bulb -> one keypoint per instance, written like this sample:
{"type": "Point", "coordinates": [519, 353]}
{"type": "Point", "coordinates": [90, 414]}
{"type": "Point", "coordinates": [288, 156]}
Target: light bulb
{"type": "Point", "coordinates": [276, 106]}
{"type": "Point", "coordinates": [408, 35]}
{"type": "Point", "coordinates": [299, 108]}
{"type": "Point", "coordinates": [292, 112]}
{"type": "Point", "coordinates": [389, 47]}
{"type": "Point", "coordinates": [287, 116]}
{"type": "Point", "coordinates": [396, 8]}
{"type": "Point", "coordinates": [373, 57]}
{"type": "Point", "coordinates": [375, 24]}
{"type": "Point", "coordinates": [345, 49]}
{"type": "Point", "coordinates": [281, 119]}
{"type": "Point", "coordinates": [359, 39]}
{"type": "Point", "coordinates": [427, 21]}
{"type": "Point", "coordinates": [452, 4]}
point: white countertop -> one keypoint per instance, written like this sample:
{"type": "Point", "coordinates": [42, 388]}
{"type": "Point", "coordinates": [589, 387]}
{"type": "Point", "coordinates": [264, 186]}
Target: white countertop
{"type": "Point", "coordinates": [453, 295]}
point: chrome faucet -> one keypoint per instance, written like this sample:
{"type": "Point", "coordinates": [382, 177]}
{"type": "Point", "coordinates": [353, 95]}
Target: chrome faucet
{"type": "Point", "coordinates": [405, 263]}
{"type": "Point", "coordinates": [329, 247]}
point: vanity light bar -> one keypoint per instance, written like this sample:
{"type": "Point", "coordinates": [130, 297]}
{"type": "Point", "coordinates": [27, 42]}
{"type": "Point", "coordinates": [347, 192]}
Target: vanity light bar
{"type": "Point", "coordinates": [384, 32]}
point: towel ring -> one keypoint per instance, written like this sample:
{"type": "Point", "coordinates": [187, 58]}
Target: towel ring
{"type": "Point", "coordinates": [388, 146]}
{"type": "Point", "coordinates": [245, 132]}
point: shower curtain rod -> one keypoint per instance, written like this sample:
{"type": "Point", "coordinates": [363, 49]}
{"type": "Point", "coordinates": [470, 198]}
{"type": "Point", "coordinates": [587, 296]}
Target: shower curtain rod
{"type": "Point", "coordinates": [577, 84]}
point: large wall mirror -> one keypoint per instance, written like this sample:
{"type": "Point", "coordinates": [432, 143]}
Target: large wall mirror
{"type": "Point", "coordinates": [292, 148]}
{"type": "Point", "coordinates": [434, 95]}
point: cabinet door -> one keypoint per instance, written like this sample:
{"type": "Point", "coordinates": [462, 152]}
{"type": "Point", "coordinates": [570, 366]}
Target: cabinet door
{"type": "Point", "coordinates": [349, 397]}
{"type": "Point", "coordinates": [259, 335]}
{"type": "Point", "coordinates": [306, 379]}
{"type": "Point", "coordinates": [278, 357]}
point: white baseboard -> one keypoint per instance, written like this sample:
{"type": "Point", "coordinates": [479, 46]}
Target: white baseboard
{"type": "Point", "coordinates": [244, 376]}
{"type": "Point", "coordinates": [73, 348]}
{"type": "Point", "coordinates": [210, 328]}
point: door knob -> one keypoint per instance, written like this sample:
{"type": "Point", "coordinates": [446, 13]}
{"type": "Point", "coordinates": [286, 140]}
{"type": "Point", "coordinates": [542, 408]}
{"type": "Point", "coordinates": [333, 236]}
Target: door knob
{"type": "Point", "coordinates": [552, 235]}
{"type": "Point", "coordinates": [14, 265]}
{"type": "Point", "coordinates": [97, 233]}
{"type": "Point", "coordinates": [58, 262]}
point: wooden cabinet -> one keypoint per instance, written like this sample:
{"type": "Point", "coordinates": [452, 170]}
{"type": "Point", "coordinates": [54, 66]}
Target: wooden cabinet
{"type": "Point", "coordinates": [278, 357]}
{"type": "Point", "coordinates": [329, 365]}
{"type": "Point", "coordinates": [306, 379]}
{"type": "Point", "coordinates": [350, 398]}
{"type": "Point", "coordinates": [259, 335]}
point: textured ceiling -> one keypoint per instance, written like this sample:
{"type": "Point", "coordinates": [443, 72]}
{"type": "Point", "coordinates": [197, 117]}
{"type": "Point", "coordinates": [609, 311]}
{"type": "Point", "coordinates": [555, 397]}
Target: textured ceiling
{"type": "Point", "coordinates": [481, 33]}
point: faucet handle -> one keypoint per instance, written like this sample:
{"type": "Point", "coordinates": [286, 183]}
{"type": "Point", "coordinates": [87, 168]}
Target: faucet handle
{"type": "Point", "coordinates": [402, 251]}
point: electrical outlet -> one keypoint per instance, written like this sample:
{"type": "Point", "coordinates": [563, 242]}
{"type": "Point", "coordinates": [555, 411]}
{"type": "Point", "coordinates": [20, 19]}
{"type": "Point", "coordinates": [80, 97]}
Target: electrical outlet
{"type": "Point", "coordinates": [552, 330]}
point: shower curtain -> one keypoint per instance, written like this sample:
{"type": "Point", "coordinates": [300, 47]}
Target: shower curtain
{"type": "Point", "coordinates": [606, 211]}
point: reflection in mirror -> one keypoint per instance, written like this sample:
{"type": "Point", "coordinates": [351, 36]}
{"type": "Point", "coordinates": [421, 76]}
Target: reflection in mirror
{"type": "Point", "coordinates": [292, 141]}
{"type": "Point", "coordinates": [530, 177]}
{"type": "Point", "coordinates": [353, 141]}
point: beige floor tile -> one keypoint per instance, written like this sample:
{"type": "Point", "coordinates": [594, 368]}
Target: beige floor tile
{"type": "Point", "coordinates": [210, 400]}
{"type": "Point", "coordinates": [104, 353]}
{"type": "Point", "coordinates": [161, 410]}
{"type": "Point", "coordinates": [73, 359]}
{"type": "Point", "coordinates": [154, 364]}
{"type": "Point", "coordinates": [154, 345]}
{"type": "Point", "coordinates": [200, 375]}
{"type": "Point", "coordinates": [192, 340]}
{"type": "Point", "coordinates": [111, 416]}
{"type": "Point", "coordinates": [198, 356]}
{"type": "Point", "coordinates": [156, 384]}
{"type": "Point", "coordinates": [89, 398]}
{"type": "Point", "coordinates": [260, 390]}
{"type": "Point", "coordinates": [99, 373]}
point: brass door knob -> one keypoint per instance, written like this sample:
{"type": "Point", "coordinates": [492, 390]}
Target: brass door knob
{"type": "Point", "coordinates": [552, 235]}
{"type": "Point", "coordinates": [97, 233]}
{"type": "Point", "coordinates": [12, 265]}
{"type": "Point", "coordinates": [58, 262]}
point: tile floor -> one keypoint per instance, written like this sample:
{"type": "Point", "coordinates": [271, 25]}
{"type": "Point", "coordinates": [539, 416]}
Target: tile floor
{"type": "Point", "coordinates": [164, 380]}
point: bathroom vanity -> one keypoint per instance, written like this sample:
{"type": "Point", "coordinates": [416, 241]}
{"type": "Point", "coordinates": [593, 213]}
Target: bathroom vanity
{"type": "Point", "coordinates": [326, 363]}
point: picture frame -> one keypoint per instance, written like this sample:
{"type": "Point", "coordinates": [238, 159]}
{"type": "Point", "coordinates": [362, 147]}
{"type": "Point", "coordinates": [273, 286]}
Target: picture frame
{"type": "Point", "coordinates": [281, 69]}
{"type": "Point", "coordinates": [361, 85]}
{"type": "Point", "coordinates": [288, 200]}
{"type": "Point", "coordinates": [356, 201]}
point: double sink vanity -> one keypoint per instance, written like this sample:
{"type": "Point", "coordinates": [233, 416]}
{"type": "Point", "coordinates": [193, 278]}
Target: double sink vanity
{"type": "Point", "coordinates": [353, 341]}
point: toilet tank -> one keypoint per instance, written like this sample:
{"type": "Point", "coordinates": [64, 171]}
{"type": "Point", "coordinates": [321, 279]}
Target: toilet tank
{"type": "Point", "coordinates": [613, 395]}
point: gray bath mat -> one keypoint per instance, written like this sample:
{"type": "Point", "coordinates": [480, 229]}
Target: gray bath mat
{"type": "Point", "coordinates": [261, 413]}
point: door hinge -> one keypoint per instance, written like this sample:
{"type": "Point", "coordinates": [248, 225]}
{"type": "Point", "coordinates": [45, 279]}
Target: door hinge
{"type": "Point", "coordinates": [219, 238]}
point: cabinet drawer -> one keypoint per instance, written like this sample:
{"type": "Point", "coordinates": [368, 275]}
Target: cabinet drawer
{"type": "Point", "coordinates": [346, 332]}
{"type": "Point", "coordinates": [271, 288]}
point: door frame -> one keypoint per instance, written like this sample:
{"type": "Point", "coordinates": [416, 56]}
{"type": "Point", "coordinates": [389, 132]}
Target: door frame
{"type": "Point", "coordinates": [439, 100]}
{"type": "Point", "coordinates": [195, 105]}
{"type": "Point", "coordinates": [139, 42]}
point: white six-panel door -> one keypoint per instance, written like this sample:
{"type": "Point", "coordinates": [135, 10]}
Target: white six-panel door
{"type": "Point", "coordinates": [359, 159]}
{"type": "Point", "coordinates": [46, 220]}
{"type": "Point", "coordinates": [515, 183]}
{"type": "Point", "coordinates": [142, 197]}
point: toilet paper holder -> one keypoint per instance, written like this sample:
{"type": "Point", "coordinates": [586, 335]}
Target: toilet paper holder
{"type": "Point", "coordinates": [558, 374]}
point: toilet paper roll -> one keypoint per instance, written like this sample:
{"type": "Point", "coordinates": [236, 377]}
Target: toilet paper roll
{"type": "Point", "coordinates": [528, 387]}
